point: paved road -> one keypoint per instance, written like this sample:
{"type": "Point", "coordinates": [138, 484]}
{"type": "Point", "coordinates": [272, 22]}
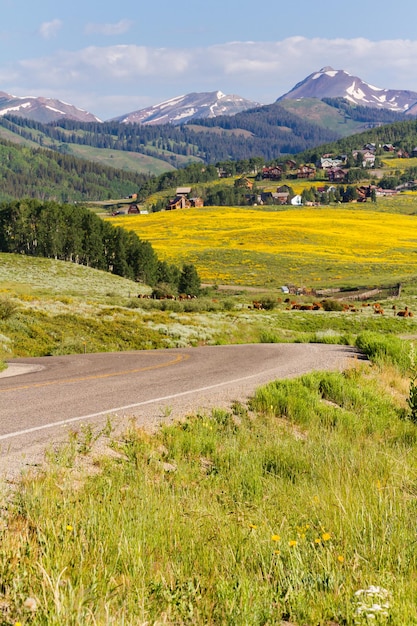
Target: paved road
{"type": "Point", "coordinates": [42, 399]}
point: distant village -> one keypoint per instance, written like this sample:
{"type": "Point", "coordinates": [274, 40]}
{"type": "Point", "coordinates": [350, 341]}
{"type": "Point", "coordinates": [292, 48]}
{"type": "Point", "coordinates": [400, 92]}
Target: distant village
{"type": "Point", "coordinates": [334, 170]}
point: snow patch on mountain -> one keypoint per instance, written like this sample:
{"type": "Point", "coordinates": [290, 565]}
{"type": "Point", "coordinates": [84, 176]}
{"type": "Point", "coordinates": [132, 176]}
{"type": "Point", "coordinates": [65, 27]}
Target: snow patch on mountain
{"type": "Point", "coordinates": [188, 107]}
{"type": "Point", "coordinates": [330, 83]}
{"type": "Point", "coordinates": [42, 109]}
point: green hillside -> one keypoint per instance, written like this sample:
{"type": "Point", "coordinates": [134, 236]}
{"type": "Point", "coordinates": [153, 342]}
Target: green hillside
{"type": "Point", "coordinates": [49, 175]}
{"type": "Point", "coordinates": [324, 115]}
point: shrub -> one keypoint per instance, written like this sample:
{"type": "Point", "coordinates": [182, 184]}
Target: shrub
{"type": "Point", "coordinates": [332, 305]}
{"type": "Point", "coordinates": [7, 308]}
{"type": "Point", "coordinates": [384, 349]}
{"type": "Point", "coordinates": [268, 304]}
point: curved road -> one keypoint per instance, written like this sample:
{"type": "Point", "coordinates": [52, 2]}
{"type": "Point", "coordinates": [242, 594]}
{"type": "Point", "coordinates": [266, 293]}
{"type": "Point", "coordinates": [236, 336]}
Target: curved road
{"type": "Point", "coordinates": [43, 399]}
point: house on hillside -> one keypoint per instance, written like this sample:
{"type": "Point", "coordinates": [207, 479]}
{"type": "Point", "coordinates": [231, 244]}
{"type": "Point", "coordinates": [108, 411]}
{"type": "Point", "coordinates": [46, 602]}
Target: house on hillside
{"type": "Point", "coordinates": [386, 192]}
{"type": "Point", "coordinates": [306, 171]}
{"type": "Point", "coordinates": [336, 174]}
{"type": "Point", "coordinates": [274, 197]}
{"type": "Point", "coordinates": [196, 202]}
{"type": "Point", "coordinates": [183, 191]}
{"type": "Point", "coordinates": [327, 161]}
{"type": "Point", "coordinates": [243, 183]}
{"type": "Point", "coordinates": [133, 209]}
{"type": "Point", "coordinates": [181, 200]}
{"type": "Point", "coordinates": [272, 173]}
{"type": "Point", "coordinates": [367, 157]}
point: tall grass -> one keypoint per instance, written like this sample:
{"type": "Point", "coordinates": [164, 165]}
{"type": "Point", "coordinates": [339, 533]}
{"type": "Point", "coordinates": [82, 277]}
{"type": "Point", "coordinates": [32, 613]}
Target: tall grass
{"type": "Point", "coordinates": [281, 510]}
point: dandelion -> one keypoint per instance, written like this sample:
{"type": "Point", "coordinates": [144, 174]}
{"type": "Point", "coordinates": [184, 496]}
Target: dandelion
{"type": "Point", "coordinates": [69, 528]}
{"type": "Point", "coordinates": [326, 536]}
{"type": "Point", "coordinates": [277, 552]}
{"type": "Point", "coordinates": [341, 558]}
{"type": "Point", "coordinates": [292, 543]}
{"type": "Point", "coordinates": [317, 541]}
{"type": "Point", "coordinates": [275, 538]}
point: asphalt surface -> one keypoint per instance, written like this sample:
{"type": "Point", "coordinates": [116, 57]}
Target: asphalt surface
{"type": "Point", "coordinates": [43, 399]}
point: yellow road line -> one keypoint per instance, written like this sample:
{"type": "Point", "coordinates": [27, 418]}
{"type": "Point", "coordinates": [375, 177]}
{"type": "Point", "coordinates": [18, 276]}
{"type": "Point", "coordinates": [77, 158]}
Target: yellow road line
{"type": "Point", "coordinates": [177, 359]}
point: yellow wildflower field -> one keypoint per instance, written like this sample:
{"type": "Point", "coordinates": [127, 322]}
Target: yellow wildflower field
{"type": "Point", "coordinates": [261, 247]}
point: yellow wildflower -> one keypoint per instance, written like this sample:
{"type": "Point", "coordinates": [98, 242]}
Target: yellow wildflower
{"type": "Point", "coordinates": [292, 543]}
{"type": "Point", "coordinates": [341, 558]}
{"type": "Point", "coordinates": [326, 536]}
{"type": "Point", "coordinates": [317, 540]}
{"type": "Point", "coordinates": [252, 526]}
{"type": "Point", "coordinates": [69, 528]}
{"type": "Point", "coordinates": [275, 538]}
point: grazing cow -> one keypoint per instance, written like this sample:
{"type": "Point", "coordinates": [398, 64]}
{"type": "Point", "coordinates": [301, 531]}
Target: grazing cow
{"type": "Point", "coordinates": [404, 313]}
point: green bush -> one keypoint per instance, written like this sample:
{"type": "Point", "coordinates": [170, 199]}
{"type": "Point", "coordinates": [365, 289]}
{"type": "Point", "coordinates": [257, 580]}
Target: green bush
{"type": "Point", "coordinates": [332, 305]}
{"type": "Point", "coordinates": [385, 349]}
{"type": "Point", "coordinates": [7, 308]}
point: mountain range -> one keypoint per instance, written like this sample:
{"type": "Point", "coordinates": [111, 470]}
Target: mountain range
{"type": "Point", "coordinates": [323, 84]}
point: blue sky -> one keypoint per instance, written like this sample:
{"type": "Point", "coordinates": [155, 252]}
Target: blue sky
{"type": "Point", "coordinates": [117, 57]}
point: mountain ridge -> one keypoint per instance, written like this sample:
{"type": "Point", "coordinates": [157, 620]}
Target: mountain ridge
{"type": "Point", "coordinates": [183, 109]}
{"type": "Point", "coordinates": [179, 110]}
{"type": "Point", "coordinates": [330, 83]}
{"type": "Point", "coordinates": [42, 109]}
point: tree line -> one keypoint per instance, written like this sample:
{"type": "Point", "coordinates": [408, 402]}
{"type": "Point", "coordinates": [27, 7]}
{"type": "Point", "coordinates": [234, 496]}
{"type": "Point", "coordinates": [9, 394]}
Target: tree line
{"type": "Point", "coordinates": [47, 175]}
{"type": "Point", "coordinates": [75, 234]}
{"type": "Point", "coordinates": [270, 131]}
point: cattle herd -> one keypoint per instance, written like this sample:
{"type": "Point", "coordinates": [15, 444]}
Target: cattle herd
{"type": "Point", "coordinates": [344, 307]}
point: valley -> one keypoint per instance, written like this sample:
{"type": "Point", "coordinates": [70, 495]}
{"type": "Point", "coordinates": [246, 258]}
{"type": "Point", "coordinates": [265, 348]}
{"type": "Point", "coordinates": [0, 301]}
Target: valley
{"type": "Point", "coordinates": [252, 501]}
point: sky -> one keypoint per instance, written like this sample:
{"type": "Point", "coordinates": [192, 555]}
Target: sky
{"type": "Point", "coordinates": [112, 58]}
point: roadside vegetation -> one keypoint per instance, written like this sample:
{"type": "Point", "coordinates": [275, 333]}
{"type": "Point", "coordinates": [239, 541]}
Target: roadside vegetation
{"type": "Point", "coordinates": [296, 508]}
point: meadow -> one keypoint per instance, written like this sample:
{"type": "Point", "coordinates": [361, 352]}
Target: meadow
{"type": "Point", "coordinates": [267, 246]}
{"type": "Point", "coordinates": [296, 508]}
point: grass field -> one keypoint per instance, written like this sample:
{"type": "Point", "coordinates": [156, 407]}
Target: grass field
{"type": "Point", "coordinates": [270, 513]}
{"type": "Point", "coordinates": [257, 246]}
{"type": "Point", "coordinates": [295, 509]}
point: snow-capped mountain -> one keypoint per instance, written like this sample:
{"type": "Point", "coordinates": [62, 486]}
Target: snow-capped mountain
{"type": "Point", "coordinates": [42, 109]}
{"type": "Point", "coordinates": [330, 83]}
{"type": "Point", "coordinates": [191, 106]}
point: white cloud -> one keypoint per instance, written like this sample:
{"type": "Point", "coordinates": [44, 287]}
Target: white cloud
{"type": "Point", "coordinates": [48, 30]}
{"type": "Point", "coordinates": [119, 28]}
{"type": "Point", "coordinates": [261, 71]}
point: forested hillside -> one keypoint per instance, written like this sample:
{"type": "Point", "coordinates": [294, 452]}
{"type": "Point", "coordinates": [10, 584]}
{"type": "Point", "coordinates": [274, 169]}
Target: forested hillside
{"type": "Point", "coordinates": [400, 134]}
{"type": "Point", "coordinates": [266, 131]}
{"type": "Point", "coordinates": [47, 175]}
{"type": "Point", "coordinates": [52, 175]}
